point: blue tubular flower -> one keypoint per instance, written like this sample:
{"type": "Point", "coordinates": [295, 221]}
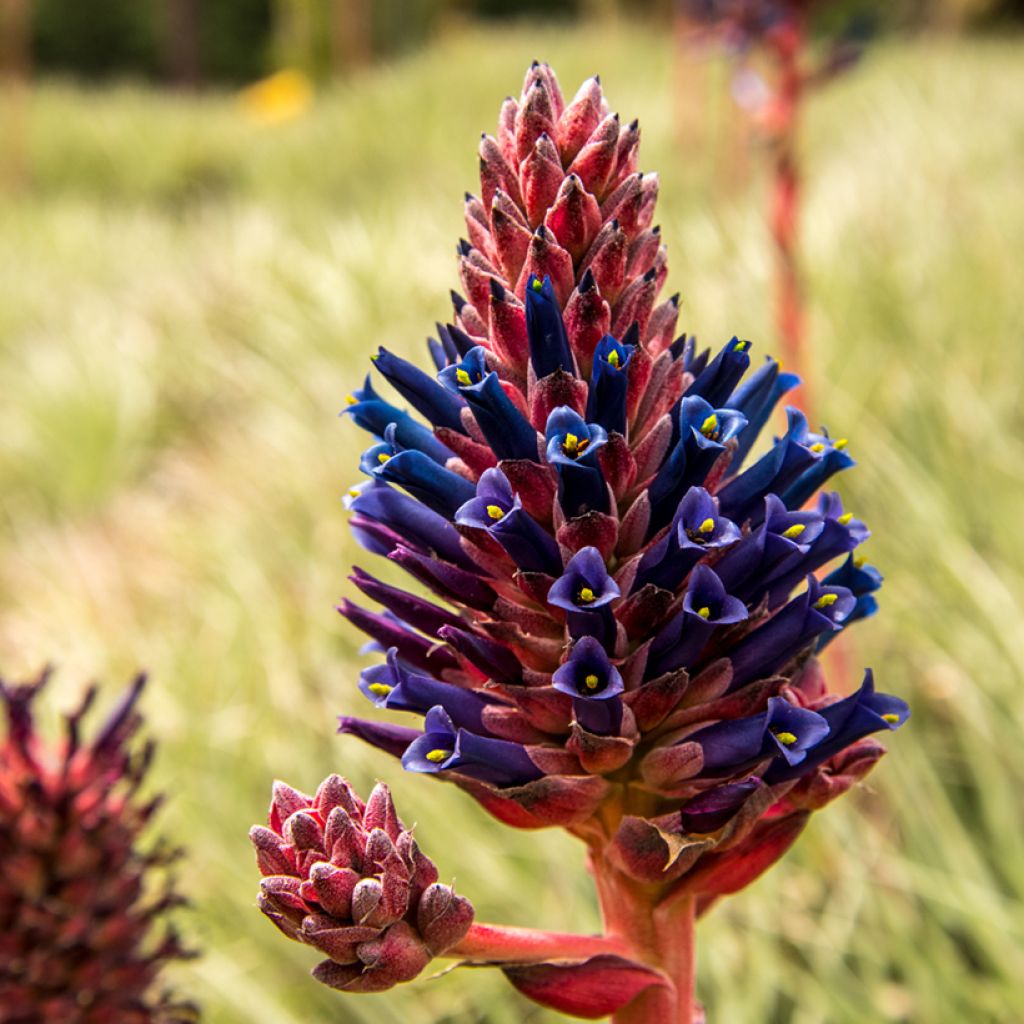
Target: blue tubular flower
{"type": "Point", "coordinates": [703, 432]}
{"type": "Point", "coordinates": [584, 591]}
{"type": "Point", "coordinates": [443, 747]}
{"type": "Point", "coordinates": [840, 534]}
{"type": "Point", "coordinates": [606, 403]}
{"type": "Point", "coordinates": [784, 730]}
{"type": "Point", "coordinates": [595, 685]}
{"type": "Point", "coordinates": [779, 543]}
{"type": "Point", "coordinates": [743, 496]}
{"type": "Point", "coordinates": [498, 510]}
{"type": "Point", "coordinates": [438, 488]}
{"type": "Point", "coordinates": [394, 687]}
{"type": "Point", "coordinates": [829, 458]}
{"type": "Point", "coordinates": [772, 645]}
{"type": "Point", "coordinates": [756, 398]}
{"type": "Point", "coordinates": [464, 371]}
{"type": "Point", "coordinates": [697, 528]}
{"type": "Point", "coordinates": [706, 607]}
{"type": "Point", "coordinates": [545, 329]}
{"type": "Point", "coordinates": [713, 808]}
{"type": "Point", "coordinates": [849, 720]}
{"type": "Point", "coordinates": [506, 429]}
{"type": "Point", "coordinates": [719, 378]}
{"type": "Point", "coordinates": [862, 581]}
{"type": "Point", "coordinates": [372, 413]}
{"type": "Point", "coordinates": [414, 522]}
{"type": "Point", "coordinates": [493, 660]}
{"type": "Point", "coordinates": [572, 447]}
{"type": "Point", "coordinates": [421, 391]}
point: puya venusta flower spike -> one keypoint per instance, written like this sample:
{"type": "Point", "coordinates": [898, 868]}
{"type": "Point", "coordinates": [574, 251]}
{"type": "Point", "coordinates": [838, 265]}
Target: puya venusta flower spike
{"type": "Point", "coordinates": [625, 616]}
{"type": "Point", "coordinates": [82, 900]}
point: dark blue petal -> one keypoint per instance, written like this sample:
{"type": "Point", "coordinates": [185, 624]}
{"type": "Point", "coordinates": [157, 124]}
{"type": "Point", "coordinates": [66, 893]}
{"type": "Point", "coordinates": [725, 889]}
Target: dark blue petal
{"type": "Point", "coordinates": [545, 329]}
{"type": "Point", "coordinates": [422, 391]}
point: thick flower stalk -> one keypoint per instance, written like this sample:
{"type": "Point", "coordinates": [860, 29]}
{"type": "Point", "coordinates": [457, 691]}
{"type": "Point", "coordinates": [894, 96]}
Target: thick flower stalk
{"type": "Point", "coordinates": [625, 597]}
{"type": "Point", "coordinates": [80, 899]}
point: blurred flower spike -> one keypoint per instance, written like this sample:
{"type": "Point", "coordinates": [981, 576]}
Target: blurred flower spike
{"type": "Point", "coordinates": [80, 900]}
{"type": "Point", "coordinates": [624, 601]}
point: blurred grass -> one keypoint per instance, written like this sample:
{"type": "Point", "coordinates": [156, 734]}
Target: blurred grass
{"type": "Point", "coordinates": [185, 298]}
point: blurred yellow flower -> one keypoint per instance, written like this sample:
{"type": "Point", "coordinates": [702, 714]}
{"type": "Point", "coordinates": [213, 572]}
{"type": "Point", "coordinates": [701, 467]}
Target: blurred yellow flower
{"type": "Point", "coordinates": [280, 97]}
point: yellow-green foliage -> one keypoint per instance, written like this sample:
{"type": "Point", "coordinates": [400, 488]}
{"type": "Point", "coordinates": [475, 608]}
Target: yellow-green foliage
{"type": "Point", "coordinates": [185, 299]}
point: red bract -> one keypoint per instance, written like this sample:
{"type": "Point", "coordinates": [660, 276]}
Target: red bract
{"type": "Point", "coordinates": [79, 935]}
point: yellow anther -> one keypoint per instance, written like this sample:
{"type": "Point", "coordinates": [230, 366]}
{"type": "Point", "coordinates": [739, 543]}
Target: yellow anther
{"type": "Point", "coordinates": [352, 400]}
{"type": "Point", "coordinates": [859, 562]}
{"type": "Point", "coordinates": [586, 595]}
{"type": "Point", "coordinates": [494, 511]}
{"type": "Point", "coordinates": [571, 443]}
{"type": "Point", "coordinates": [794, 531]}
{"type": "Point", "coordinates": [383, 457]}
{"type": "Point", "coordinates": [437, 756]}
{"type": "Point", "coordinates": [786, 738]}
{"type": "Point", "coordinates": [708, 526]}
{"type": "Point", "coordinates": [709, 426]}
{"type": "Point", "coordinates": [354, 492]}
{"type": "Point", "coordinates": [380, 689]}
{"type": "Point", "coordinates": [742, 346]}
{"type": "Point", "coordinates": [538, 285]}
{"type": "Point", "coordinates": [844, 518]}
{"type": "Point", "coordinates": [613, 358]}
{"type": "Point", "coordinates": [463, 378]}
{"type": "Point", "coordinates": [591, 682]}
{"type": "Point", "coordinates": [819, 447]}
{"type": "Point", "coordinates": [705, 612]}
{"type": "Point", "coordinates": [840, 444]}
{"type": "Point", "coordinates": [826, 601]}
{"type": "Point", "coordinates": [891, 718]}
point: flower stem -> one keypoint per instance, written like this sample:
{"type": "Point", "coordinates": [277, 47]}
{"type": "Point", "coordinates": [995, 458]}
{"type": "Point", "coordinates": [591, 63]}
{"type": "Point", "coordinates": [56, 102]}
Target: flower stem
{"type": "Point", "coordinates": [497, 943]}
{"type": "Point", "coordinates": [662, 937]}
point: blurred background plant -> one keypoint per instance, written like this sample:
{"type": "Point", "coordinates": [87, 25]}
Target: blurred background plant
{"type": "Point", "coordinates": [187, 292]}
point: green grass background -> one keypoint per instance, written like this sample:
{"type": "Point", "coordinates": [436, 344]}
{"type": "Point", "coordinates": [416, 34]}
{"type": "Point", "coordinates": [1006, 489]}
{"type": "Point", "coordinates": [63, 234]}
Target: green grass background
{"type": "Point", "coordinates": [185, 299]}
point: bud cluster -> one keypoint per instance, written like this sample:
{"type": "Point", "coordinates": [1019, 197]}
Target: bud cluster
{"type": "Point", "coordinates": [349, 880]}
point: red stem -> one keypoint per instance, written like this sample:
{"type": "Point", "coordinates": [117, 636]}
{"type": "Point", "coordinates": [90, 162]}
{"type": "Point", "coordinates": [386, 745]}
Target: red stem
{"type": "Point", "coordinates": [785, 211]}
{"type": "Point", "coordinates": [492, 942]}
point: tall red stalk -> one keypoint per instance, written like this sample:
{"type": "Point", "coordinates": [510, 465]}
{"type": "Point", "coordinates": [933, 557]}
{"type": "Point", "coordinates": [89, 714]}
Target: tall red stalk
{"type": "Point", "coordinates": [787, 47]}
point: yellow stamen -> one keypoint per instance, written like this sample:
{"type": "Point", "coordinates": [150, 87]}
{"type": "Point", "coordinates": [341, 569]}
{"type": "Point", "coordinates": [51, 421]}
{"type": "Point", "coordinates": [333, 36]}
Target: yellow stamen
{"type": "Point", "coordinates": [494, 511]}
{"type": "Point", "coordinates": [794, 531]}
{"type": "Point", "coordinates": [352, 400]}
{"type": "Point", "coordinates": [786, 738]}
{"type": "Point", "coordinates": [844, 518]}
{"type": "Point", "coordinates": [826, 601]}
{"type": "Point", "coordinates": [613, 358]}
{"type": "Point", "coordinates": [859, 563]}
{"type": "Point", "coordinates": [354, 492]}
{"type": "Point", "coordinates": [708, 427]}
{"type": "Point", "coordinates": [383, 457]}
{"type": "Point", "coordinates": [708, 526]}
{"type": "Point", "coordinates": [591, 682]}
{"type": "Point", "coordinates": [705, 612]}
{"type": "Point", "coordinates": [586, 595]}
{"type": "Point", "coordinates": [463, 378]}
{"type": "Point", "coordinates": [840, 444]}
{"type": "Point", "coordinates": [380, 689]}
{"type": "Point", "coordinates": [538, 285]}
{"type": "Point", "coordinates": [437, 756]}
{"type": "Point", "coordinates": [891, 718]}
{"type": "Point", "coordinates": [741, 346]}
{"type": "Point", "coordinates": [819, 447]}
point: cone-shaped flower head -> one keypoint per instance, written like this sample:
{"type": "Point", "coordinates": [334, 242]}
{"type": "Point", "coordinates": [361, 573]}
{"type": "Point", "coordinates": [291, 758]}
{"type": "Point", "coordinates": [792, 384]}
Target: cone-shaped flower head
{"type": "Point", "coordinates": [80, 932]}
{"type": "Point", "coordinates": [348, 879]}
{"type": "Point", "coordinates": [619, 591]}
